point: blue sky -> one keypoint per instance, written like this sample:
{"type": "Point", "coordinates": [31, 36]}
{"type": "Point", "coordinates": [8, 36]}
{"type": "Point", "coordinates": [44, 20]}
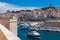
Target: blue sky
{"type": "Point", "coordinates": [33, 3]}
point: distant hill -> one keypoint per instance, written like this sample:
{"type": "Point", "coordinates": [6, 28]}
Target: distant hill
{"type": "Point", "coordinates": [6, 6]}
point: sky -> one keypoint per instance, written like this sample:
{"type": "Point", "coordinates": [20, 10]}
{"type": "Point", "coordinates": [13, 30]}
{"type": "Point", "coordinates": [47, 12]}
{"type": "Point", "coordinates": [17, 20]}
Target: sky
{"type": "Point", "coordinates": [26, 4]}
{"type": "Point", "coordinates": [33, 3]}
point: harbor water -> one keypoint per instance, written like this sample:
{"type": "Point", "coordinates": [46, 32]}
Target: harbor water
{"type": "Point", "coordinates": [46, 35]}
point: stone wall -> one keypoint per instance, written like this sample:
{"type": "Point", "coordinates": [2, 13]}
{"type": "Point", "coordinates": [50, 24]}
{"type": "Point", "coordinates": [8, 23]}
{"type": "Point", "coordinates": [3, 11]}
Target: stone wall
{"type": "Point", "coordinates": [10, 24]}
{"type": "Point", "coordinates": [52, 24]}
{"type": "Point", "coordinates": [5, 22]}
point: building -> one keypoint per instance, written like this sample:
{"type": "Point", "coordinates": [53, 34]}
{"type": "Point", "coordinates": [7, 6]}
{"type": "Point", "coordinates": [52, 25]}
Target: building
{"type": "Point", "coordinates": [6, 34]}
{"type": "Point", "coordinates": [10, 24]}
{"type": "Point", "coordinates": [51, 25]}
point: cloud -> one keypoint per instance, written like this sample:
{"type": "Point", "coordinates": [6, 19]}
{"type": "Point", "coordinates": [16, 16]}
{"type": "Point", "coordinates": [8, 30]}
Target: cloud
{"type": "Point", "coordinates": [6, 6]}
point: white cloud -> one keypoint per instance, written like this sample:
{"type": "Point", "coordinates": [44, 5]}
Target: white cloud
{"type": "Point", "coordinates": [6, 6]}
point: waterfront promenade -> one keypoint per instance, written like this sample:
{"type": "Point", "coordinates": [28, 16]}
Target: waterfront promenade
{"type": "Point", "coordinates": [38, 25]}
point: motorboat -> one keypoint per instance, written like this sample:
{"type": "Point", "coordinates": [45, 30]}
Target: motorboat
{"type": "Point", "coordinates": [34, 34]}
{"type": "Point", "coordinates": [24, 26]}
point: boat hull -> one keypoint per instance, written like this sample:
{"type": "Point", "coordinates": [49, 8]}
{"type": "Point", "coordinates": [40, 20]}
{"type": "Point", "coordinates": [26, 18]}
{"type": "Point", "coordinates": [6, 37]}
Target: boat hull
{"type": "Point", "coordinates": [24, 28]}
{"type": "Point", "coordinates": [34, 36]}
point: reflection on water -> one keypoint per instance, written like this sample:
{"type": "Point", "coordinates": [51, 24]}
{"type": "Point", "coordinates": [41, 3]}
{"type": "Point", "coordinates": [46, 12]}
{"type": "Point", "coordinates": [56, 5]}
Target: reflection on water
{"type": "Point", "coordinates": [33, 38]}
{"type": "Point", "coordinates": [23, 35]}
{"type": "Point", "coordinates": [46, 35]}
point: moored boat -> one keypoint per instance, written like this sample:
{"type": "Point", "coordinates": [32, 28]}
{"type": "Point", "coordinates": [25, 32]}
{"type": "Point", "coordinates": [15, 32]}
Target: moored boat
{"type": "Point", "coordinates": [24, 26]}
{"type": "Point", "coordinates": [34, 34]}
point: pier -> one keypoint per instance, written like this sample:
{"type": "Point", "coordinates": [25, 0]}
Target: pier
{"type": "Point", "coordinates": [42, 25]}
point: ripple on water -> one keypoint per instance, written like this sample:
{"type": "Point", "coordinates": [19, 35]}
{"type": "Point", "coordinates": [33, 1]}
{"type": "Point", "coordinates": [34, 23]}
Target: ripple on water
{"type": "Point", "coordinates": [46, 35]}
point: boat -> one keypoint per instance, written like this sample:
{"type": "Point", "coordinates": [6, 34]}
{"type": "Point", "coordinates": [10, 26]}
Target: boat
{"type": "Point", "coordinates": [34, 34]}
{"type": "Point", "coordinates": [18, 23]}
{"type": "Point", "coordinates": [33, 28]}
{"type": "Point", "coordinates": [24, 26]}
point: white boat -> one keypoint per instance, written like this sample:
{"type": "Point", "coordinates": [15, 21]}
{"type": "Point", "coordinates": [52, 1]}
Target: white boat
{"type": "Point", "coordinates": [34, 34]}
{"type": "Point", "coordinates": [24, 26]}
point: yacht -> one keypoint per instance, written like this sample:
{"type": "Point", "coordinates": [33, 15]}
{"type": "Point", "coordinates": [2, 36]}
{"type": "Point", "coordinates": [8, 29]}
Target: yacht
{"type": "Point", "coordinates": [24, 26]}
{"type": "Point", "coordinates": [34, 34]}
